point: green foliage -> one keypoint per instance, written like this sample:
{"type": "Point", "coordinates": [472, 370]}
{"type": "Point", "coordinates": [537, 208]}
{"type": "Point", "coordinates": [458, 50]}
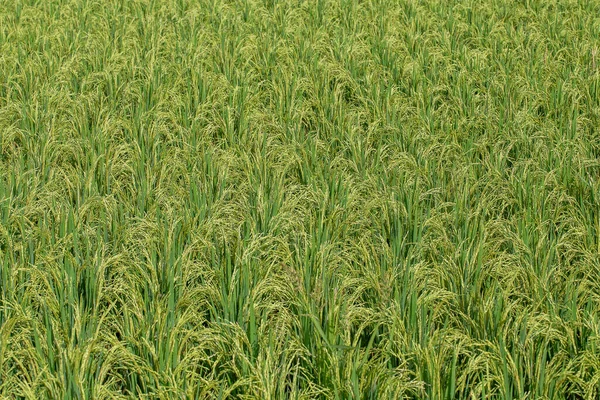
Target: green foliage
{"type": "Point", "coordinates": [324, 199]}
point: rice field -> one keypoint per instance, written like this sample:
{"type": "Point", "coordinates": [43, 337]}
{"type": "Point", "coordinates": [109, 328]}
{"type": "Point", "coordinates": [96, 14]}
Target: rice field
{"type": "Point", "coordinates": [300, 199]}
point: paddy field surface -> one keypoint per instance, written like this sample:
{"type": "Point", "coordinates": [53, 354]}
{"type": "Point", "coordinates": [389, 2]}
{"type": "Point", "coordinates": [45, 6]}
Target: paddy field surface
{"type": "Point", "coordinates": [299, 199]}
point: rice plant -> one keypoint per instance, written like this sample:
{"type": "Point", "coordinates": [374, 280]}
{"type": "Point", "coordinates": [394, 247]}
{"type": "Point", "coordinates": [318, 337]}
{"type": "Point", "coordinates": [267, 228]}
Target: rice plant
{"type": "Point", "coordinates": [299, 199]}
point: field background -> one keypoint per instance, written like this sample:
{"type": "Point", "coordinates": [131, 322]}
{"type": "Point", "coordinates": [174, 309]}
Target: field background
{"type": "Point", "coordinates": [328, 199]}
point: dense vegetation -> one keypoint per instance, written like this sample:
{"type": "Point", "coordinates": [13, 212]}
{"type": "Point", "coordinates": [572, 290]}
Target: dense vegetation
{"type": "Point", "coordinates": [331, 199]}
